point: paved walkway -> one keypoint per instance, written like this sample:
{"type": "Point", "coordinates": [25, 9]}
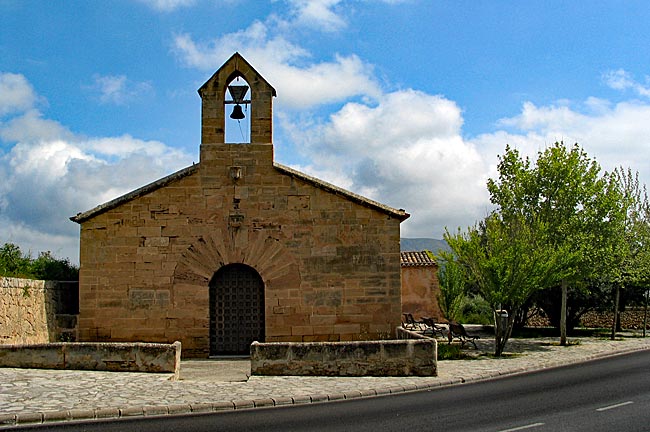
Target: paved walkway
{"type": "Point", "coordinates": [36, 395]}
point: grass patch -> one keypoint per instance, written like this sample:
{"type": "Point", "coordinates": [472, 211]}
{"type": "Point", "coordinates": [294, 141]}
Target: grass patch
{"type": "Point", "coordinates": [451, 352]}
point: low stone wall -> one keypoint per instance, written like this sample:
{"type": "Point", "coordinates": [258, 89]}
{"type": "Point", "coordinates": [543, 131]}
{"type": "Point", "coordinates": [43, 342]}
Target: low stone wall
{"type": "Point", "coordinates": [363, 358]}
{"type": "Point", "coordinates": [101, 356]}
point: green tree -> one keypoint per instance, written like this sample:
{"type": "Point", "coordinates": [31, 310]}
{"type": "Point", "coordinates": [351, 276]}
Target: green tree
{"type": "Point", "coordinates": [48, 267]}
{"type": "Point", "coordinates": [14, 263]}
{"type": "Point", "coordinates": [507, 263]}
{"type": "Point", "coordinates": [632, 267]}
{"type": "Point", "coordinates": [576, 207]}
{"type": "Point", "coordinates": [453, 286]}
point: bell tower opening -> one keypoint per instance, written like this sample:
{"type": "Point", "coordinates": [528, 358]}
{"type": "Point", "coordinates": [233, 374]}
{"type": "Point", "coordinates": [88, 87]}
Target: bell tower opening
{"type": "Point", "coordinates": [237, 120]}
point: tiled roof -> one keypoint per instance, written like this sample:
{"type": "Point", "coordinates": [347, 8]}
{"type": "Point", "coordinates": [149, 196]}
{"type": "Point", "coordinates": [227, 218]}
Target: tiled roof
{"type": "Point", "coordinates": [416, 259]}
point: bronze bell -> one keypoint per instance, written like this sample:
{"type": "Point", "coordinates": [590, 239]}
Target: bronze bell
{"type": "Point", "coordinates": [237, 113]}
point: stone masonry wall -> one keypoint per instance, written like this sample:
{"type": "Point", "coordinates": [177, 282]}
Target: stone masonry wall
{"type": "Point", "coordinates": [36, 311]}
{"type": "Point", "coordinates": [27, 313]}
{"type": "Point", "coordinates": [330, 265]}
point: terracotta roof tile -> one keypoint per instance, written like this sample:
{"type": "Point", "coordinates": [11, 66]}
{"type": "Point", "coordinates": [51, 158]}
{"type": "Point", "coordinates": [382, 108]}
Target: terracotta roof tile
{"type": "Point", "coordinates": [416, 259]}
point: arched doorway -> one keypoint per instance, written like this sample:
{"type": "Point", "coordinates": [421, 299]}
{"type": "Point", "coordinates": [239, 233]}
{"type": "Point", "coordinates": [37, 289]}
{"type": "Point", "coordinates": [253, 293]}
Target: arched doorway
{"type": "Point", "coordinates": [236, 309]}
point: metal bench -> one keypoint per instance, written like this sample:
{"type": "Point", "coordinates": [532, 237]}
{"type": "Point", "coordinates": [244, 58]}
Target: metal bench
{"type": "Point", "coordinates": [456, 330]}
{"type": "Point", "coordinates": [432, 327]}
{"type": "Point", "coordinates": [409, 323]}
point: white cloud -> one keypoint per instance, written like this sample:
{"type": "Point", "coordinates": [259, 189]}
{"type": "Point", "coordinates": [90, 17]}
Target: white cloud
{"type": "Point", "coordinates": [118, 89]}
{"type": "Point", "coordinates": [622, 80]}
{"type": "Point", "coordinates": [16, 94]}
{"type": "Point", "coordinates": [167, 5]}
{"type": "Point", "coordinates": [32, 127]}
{"type": "Point", "coordinates": [50, 174]}
{"type": "Point", "coordinates": [317, 13]}
{"type": "Point", "coordinates": [282, 63]}
{"type": "Point", "coordinates": [407, 152]}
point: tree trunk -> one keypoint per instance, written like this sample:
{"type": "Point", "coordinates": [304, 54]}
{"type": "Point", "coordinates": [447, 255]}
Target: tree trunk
{"type": "Point", "coordinates": [565, 290]}
{"type": "Point", "coordinates": [616, 312]}
{"type": "Point", "coordinates": [502, 332]}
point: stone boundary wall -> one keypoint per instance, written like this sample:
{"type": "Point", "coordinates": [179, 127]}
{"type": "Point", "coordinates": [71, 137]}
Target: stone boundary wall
{"type": "Point", "coordinates": [27, 314]}
{"type": "Point", "coordinates": [362, 358]}
{"type": "Point", "coordinates": [98, 356]}
{"type": "Point", "coordinates": [631, 319]}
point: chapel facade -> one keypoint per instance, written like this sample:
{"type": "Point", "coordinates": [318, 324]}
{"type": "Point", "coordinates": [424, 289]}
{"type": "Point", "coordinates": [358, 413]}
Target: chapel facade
{"type": "Point", "coordinates": [237, 247]}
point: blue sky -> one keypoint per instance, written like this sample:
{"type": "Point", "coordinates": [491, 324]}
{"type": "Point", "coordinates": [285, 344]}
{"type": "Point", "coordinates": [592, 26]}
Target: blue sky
{"type": "Point", "coordinates": [408, 102]}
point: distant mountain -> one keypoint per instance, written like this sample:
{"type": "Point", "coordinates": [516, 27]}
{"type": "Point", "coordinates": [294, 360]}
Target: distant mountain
{"type": "Point", "coordinates": [420, 244]}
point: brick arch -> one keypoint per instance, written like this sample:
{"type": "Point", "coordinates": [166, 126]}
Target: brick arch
{"type": "Point", "coordinates": [267, 255]}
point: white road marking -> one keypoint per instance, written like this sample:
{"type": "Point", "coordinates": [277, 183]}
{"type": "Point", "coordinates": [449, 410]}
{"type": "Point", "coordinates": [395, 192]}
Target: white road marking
{"type": "Point", "coordinates": [530, 426]}
{"type": "Point", "coordinates": [614, 406]}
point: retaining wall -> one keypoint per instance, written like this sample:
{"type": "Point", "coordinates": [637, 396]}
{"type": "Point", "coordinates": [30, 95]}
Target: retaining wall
{"type": "Point", "coordinates": [101, 356]}
{"type": "Point", "coordinates": [363, 358]}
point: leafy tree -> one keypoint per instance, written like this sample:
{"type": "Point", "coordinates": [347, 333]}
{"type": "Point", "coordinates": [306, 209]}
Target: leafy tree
{"type": "Point", "coordinates": [507, 263]}
{"type": "Point", "coordinates": [453, 286]}
{"type": "Point", "coordinates": [47, 267]}
{"type": "Point", "coordinates": [632, 269]}
{"type": "Point", "coordinates": [13, 263]}
{"type": "Point", "coordinates": [576, 209]}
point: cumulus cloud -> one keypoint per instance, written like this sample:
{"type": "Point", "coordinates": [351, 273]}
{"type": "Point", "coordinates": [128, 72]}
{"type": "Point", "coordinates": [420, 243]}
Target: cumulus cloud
{"type": "Point", "coordinates": [407, 151]}
{"type": "Point", "coordinates": [118, 89]}
{"type": "Point", "coordinates": [50, 174]}
{"type": "Point", "coordinates": [16, 94]}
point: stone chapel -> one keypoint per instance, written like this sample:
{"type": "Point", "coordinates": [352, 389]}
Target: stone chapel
{"type": "Point", "coordinates": [238, 248]}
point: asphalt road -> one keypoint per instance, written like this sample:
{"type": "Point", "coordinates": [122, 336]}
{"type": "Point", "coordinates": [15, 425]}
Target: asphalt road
{"type": "Point", "coordinates": [606, 395]}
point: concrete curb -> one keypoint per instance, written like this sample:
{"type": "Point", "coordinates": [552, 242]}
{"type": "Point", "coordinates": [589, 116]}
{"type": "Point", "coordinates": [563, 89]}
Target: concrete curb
{"type": "Point", "coordinates": [53, 417]}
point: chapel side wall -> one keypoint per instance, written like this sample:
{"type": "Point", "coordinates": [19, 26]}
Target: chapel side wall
{"type": "Point", "coordinates": [420, 292]}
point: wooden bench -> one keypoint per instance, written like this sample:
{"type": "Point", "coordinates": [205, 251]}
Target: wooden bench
{"type": "Point", "coordinates": [456, 330]}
